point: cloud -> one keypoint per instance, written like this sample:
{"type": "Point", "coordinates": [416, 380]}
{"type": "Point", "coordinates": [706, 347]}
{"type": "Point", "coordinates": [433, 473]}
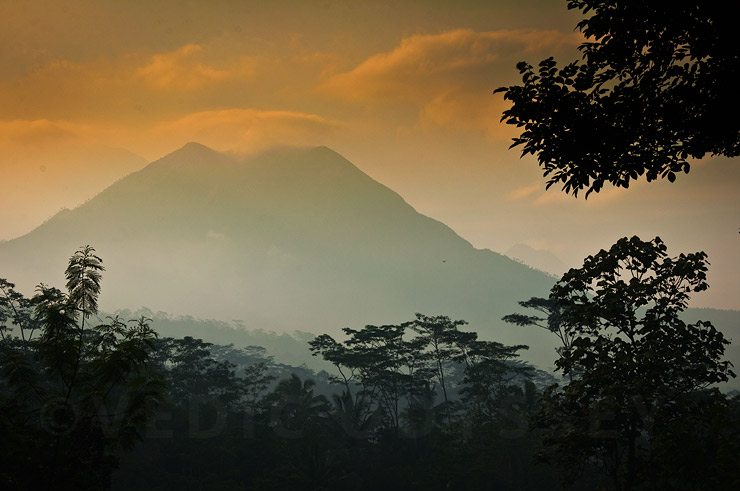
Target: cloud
{"type": "Point", "coordinates": [128, 87]}
{"type": "Point", "coordinates": [447, 78]}
{"type": "Point", "coordinates": [606, 196]}
{"type": "Point", "coordinates": [523, 192]}
{"type": "Point", "coordinates": [472, 109]}
{"type": "Point", "coordinates": [246, 129]}
{"type": "Point", "coordinates": [25, 143]}
{"type": "Point", "coordinates": [24, 140]}
{"type": "Point", "coordinates": [423, 64]}
{"type": "Point", "coordinates": [21, 133]}
{"type": "Point", "coordinates": [182, 70]}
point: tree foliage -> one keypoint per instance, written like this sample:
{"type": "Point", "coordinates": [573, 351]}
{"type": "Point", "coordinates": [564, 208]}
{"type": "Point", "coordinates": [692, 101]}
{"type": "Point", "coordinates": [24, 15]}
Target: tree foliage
{"type": "Point", "coordinates": [655, 86]}
{"type": "Point", "coordinates": [548, 318]}
{"type": "Point", "coordinates": [642, 377]}
{"type": "Point", "coordinates": [398, 371]}
{"type": "Point", "coordinates": [423, 404]}
{"type": "Point", "coordinates": [74, 393]}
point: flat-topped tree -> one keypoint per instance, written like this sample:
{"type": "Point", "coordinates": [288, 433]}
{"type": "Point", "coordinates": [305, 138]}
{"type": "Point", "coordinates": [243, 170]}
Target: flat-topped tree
{"type": "Point", "coordinates": [393, 373]}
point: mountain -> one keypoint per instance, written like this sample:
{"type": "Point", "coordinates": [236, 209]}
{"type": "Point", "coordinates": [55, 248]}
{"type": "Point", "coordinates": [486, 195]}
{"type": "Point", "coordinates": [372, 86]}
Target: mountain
{"type": "Point", "coordinates": [59, 174]}
{"type": "Point", "coordinates": [294, 239]}
{"type": "Point", "coordinates": [537, 258]}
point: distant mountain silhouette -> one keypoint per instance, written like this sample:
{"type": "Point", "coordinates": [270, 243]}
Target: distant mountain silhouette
{"type": "Point", "coordinates": [537, 258]}
{"type": "Point", "coordinates": [60, 174]}
{"type": "Point", "coordinates": [291, 239]}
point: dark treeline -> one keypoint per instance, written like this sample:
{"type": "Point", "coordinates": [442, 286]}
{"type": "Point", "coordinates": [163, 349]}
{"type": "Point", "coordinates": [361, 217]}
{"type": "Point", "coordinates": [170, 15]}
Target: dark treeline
{"type": "Point", "coordinates": [91, 403]}
{"type": "Point", "coordinates": [291, 348]}
{"type": "Point", "coordinates": [235, 420]}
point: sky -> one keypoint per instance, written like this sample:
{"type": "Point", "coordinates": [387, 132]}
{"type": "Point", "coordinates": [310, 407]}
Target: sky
{"type": "Point", "coordinates": [93, 90]}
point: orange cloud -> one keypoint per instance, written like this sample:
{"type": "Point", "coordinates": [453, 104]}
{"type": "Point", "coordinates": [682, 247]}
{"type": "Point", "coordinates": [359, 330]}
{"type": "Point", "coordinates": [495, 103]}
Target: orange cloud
{"type": "Point", "coordinates": [180, 69]}
{"type": "Point", "coordinates": [469, 110]}
{"type": "Point", "coordinates": [24, 143]}
{"type": "Point", "coordinates": [523, 192]}
{"type": "Point", "coordinates": [448, 78]}
{"type": "Point", "coordinates": [606, 196]}
{"type": "Point", "coordinates": [23, 133]}
{"type": "Point", "coordinates": [425, 63]}
{"type": "Point", "coordinates": [130, 87]}
{"type": "Point", "coordinates": [246, 129]}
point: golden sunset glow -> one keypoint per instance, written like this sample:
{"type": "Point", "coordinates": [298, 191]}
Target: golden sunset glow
{"type": "Point", "coordinates": [91, 91]}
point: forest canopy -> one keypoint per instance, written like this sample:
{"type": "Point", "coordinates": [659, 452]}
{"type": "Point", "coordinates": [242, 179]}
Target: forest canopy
{"type": "Point", "coordinates": [99, 403]}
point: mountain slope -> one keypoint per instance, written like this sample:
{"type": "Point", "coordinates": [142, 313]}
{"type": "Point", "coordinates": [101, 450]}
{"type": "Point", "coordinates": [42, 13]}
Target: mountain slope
{"type": "Point", "coordinates": [539, 259]}
{"type": "Point", "coordinates": [292, 239]}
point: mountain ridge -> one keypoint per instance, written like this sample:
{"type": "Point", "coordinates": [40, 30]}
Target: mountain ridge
{"type": "Point", "coordinates": [291, 239]}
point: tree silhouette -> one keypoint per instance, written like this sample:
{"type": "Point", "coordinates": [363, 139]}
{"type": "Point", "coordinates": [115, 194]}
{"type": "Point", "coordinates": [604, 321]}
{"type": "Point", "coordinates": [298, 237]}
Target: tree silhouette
{"type": "Point", "coordinates": [73, 394]}
{"type": "Point", "coordinates": [440, 335]}
{"type": "Point", "coordinates": [396, 370]}
{"type": "Point", "coordinates": [296, 404]}
{"type": "Point", "coordinates": [640, 373]}
{"type": "Point", "coordinates": [550, 322]}
{"type": "Point", "coordinates": [291, 437]}
{"type": "Point", "coordinates": [656, 85]}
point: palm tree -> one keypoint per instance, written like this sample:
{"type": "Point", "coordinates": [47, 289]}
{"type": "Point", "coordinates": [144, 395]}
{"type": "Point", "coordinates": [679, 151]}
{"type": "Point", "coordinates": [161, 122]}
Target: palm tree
{"type": "Point", "coordinates": [76, 392]}
{"type": "Point", "coordinates": [295, 406]}
{"type": "Point", "coordinates": [354, 415]}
